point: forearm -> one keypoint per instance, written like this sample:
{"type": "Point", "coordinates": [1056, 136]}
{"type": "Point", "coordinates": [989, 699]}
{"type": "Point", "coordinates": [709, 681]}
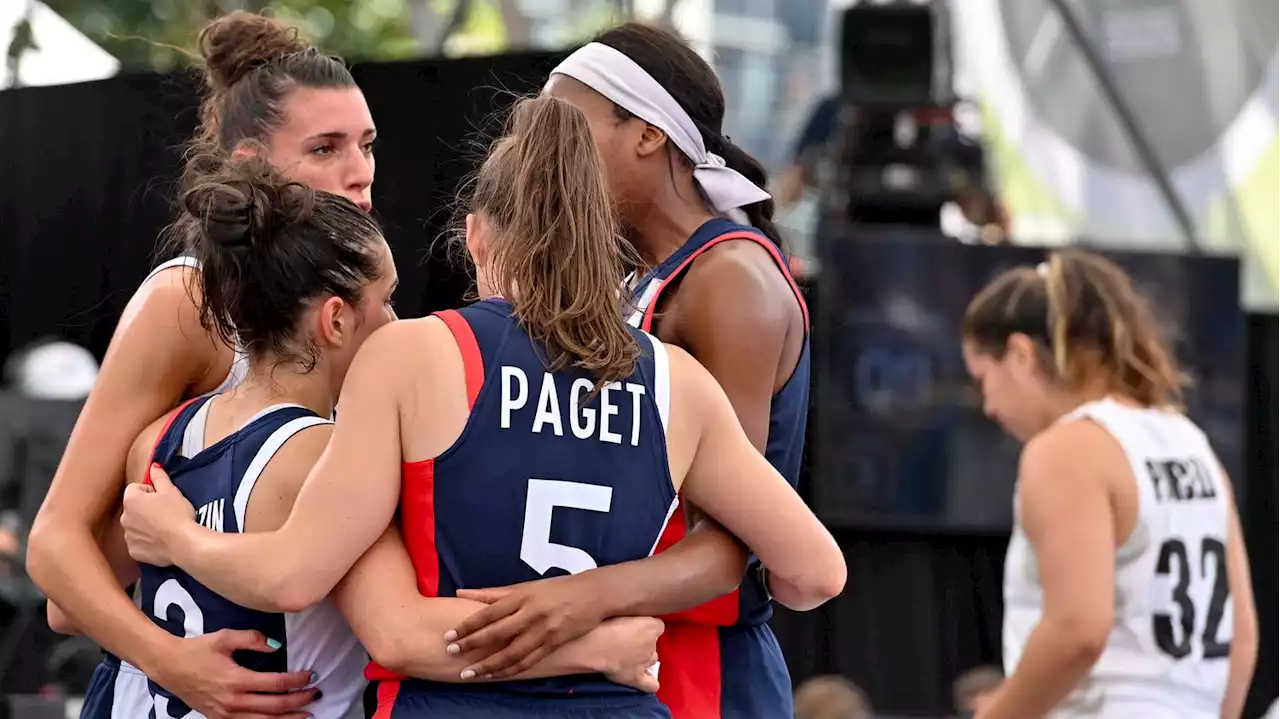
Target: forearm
{"type": "Point", "coordinates": [68, 566]}
{"type": "Point", "coordinates": [257, 570]}
{"type": "Point", "coordinates": [409, 639]}
{"type": "Point", "coordinates": [706, 564]}
{"type": "Point", "coordinates": [1244, 657]}
{"type": "Point", "coordinates": [1053, 664]}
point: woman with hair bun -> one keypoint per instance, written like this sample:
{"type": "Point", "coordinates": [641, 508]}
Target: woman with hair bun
{"type": "Point", "coordinates": [266, 85]}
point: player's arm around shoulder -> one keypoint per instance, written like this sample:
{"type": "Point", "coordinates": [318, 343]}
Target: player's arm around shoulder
{"type": "Point", "coordinates": [158, 351]}
{"type": "Point", "coordinates": [725, 476]}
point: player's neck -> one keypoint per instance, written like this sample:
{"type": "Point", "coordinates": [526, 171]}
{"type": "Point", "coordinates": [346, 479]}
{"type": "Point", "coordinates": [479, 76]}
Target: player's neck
{"type": "Point", "coordinates": [1091, 390]}
{"type": "Point", "coordinates": [666, 227]}
{"type": "Point", "coordinates": [266, 386]}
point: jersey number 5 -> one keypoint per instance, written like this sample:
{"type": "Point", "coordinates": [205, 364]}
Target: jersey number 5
{"type": "Point", "coordinates": [536, 548]}
{"type": "Point", "coordinates": [1178, 644]}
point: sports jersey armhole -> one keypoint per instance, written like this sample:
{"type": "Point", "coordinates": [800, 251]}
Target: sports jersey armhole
{"type": "Point", "coordinates": [472, 361]}
{"type": "Point", "coordinates": [661, 381]}
{"type": "Point", "coordinates": [653, 293]}
{"type": "Point", "coordinates": [278, 438]}
{"type": "Point", "coordinates": [146, 471]}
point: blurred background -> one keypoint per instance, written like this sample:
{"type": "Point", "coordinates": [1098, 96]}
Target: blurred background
{"type": "Point", "coordinates": [917, 148]}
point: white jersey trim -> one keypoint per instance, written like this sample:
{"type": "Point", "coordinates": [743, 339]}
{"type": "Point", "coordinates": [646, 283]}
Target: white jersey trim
{"type": "Point", "coordinates": [661, 380]}
{"type": "Point", "coordinates": [180, 261]}
{"type": "Point", "coordinates": [259, 463]}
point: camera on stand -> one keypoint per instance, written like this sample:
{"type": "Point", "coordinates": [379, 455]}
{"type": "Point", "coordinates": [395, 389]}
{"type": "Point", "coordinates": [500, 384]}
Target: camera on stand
{"type": "Point", "coordinates": [898, 155]}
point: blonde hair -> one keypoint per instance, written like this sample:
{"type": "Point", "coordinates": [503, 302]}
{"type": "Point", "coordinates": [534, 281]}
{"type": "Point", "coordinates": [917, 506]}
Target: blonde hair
{"type": "Point", "coordinates": [1085, 313]}
{"type": "Point", "coordinates": [558, 255]}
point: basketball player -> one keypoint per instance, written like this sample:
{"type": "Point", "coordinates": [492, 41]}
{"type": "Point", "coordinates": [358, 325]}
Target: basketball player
{"type": "Point", "coordinates": [262, 83]}
{"type": "Point", "coordinates": [265, 85]}
{"type": "Point", "coordinates": [1127, 592]}
{"type": "Point", "coordinates": [517, 437]}
{"type": "Point", "coordinates": [242, 455]}
{"type": "Point", "coordinates": [694, 206]}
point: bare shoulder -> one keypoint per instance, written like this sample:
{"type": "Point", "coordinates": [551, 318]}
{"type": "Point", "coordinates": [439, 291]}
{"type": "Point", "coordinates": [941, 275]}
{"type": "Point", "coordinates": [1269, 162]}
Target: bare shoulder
{"type": "Point", "coordinates": [162, 323]}
{"type": "Point", "coordinates": [399, 344]}
{"type": "Point", "coordinates": [1069, 456]}
{"type": "Point", "coordinates": [140, 453]}
{"type": "Point", "coordinates": [687, 374]}
{"type": "Point", "coordinates": [741, 276]}
{"type": "Point", "coordinates": [295, 458]}
{"type": "Point", "coordinates": [303, 449]}
{"type": "Point", "coordinates": [172, 295]}
{"type": "Point", "coordinates": [695, 393]}
{"type": "Point", "coordinates": [276, 489]}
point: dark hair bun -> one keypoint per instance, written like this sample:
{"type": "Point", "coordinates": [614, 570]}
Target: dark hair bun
{"type": "Point", "coordinates": [239, 41]}
{"type": "Point", "coordinates": [245, 204]}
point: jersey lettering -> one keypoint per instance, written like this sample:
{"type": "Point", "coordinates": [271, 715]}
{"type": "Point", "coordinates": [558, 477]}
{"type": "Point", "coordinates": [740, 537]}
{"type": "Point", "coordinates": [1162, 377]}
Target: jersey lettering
{"type": "Point", "coordinates": [1181, 480]}
{"type": "Point", "coordinates": [210, 515]}
{"type": "Point", "coordinates": [544, 495]}
{"type": "Point", "coordinates": [606, 424]}
{"type": "Point", "coordinates": [1176, 638]}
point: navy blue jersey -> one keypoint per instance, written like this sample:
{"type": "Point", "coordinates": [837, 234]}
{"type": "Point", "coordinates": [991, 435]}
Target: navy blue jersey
{"type": "Point", "coordinates": [721, 659]}
{"type": "Point", "coordinates": [546, 479]}
{"type": "Point", "coordinates": [218, 481]}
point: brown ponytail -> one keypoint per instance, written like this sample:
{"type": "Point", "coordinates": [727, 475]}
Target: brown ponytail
{"type": "Point", "coordinates": [1085, 313]}
{"type": "Point", "coordinates": [557, 253]}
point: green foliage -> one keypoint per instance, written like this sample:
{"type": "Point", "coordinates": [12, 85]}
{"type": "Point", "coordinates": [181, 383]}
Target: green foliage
{"type": "Point", "coordinates": [161, 34]}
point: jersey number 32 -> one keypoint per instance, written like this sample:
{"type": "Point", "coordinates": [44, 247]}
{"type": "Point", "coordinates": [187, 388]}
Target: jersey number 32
{"type": "Point", "coordinates": [1175, 558]}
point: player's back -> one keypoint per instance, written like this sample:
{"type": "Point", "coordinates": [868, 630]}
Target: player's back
{"type": "Point", "coordinates": [1167, 654]}
{"type": "Point", "coordinates": [547, 478]}
{"type": "Point", "coordinates": [218, 480]}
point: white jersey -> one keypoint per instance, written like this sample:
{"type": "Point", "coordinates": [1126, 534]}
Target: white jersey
{"type": "Point", "coordinates": [1167, 655]}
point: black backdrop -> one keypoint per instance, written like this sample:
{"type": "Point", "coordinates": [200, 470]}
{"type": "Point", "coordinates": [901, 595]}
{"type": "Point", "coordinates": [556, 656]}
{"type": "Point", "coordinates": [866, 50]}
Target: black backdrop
{"type": "Point", "coordinates": [86, 174]}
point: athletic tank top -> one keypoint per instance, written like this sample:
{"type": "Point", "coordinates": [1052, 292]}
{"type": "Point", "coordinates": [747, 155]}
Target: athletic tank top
{"type": "Point", "coordinates": [788, 412]}
{"type": "Point", "coordinates": [1168, 648]}
{"type": "Point", "coordinates": [219, 480]}
{"type": "Point", "coordinates": [545, 479]}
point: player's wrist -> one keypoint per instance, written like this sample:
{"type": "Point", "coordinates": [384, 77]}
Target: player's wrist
{"type": "Point", "coordinates": [182, 542]}
{"type": "Point", "coordinates": [157, 651]}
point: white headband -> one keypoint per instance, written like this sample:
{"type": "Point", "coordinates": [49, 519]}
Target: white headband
{"type": "Point", "coordinates": [620, 79]}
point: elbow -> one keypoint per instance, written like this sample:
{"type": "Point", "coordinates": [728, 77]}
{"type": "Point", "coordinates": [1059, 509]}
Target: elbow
{"type": "Point", "coordinates": [59, 622]}
{"type": "Point", "coordinates": [387, 652]}
{"type": "Point", "coordinates": [290, 589]}
{"type": "Point", "coordinates": [42, 551]}
{"type": "Point", "coordinates": [1083, 638]}
{"type": "Point", "coordinates": [295, 592]}
{"type": "Point", "coordinates": [821, 583]}
{"type": "Point", "coordinates": [828, 583]}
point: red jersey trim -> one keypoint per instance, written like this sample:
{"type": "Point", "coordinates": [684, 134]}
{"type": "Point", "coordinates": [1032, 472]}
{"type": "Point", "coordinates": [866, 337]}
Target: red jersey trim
{"type": "Point", "coordinates": [472, 361]}
{"type": "Point", "coordinates": [146, 472]}
{"type": "Point", "coordinates": [778, 259]}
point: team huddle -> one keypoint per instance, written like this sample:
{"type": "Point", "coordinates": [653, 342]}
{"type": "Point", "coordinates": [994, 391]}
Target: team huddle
{"type": "Point", "coordinates": [551, 502]}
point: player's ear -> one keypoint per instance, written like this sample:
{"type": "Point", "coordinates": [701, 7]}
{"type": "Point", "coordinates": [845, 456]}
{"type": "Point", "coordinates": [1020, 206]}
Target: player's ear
{"type": "Point", "coordinates": [333, 325]}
